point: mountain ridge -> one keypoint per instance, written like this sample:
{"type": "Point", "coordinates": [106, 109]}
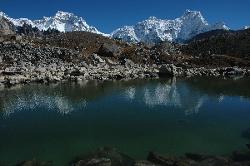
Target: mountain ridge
{"type": "Point", "coordinates": [154, 30]}
{"type": "Point", "coordinates": [150, 31]}
{"type": "Point", "coordinates": [61, 21]}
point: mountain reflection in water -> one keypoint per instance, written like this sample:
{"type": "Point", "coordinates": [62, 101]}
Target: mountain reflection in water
{"type": "Point", "coordinates": [65, 98]}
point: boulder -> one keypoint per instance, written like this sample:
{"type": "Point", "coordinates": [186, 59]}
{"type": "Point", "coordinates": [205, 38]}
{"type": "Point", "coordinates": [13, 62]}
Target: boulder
{"type": "Point", "coordinates": [94, 162]}
{"type": "Point", "coordinates": [104, 157]}
{"type": "Point", "coordinates": [110, 62]}
{"type": "Point", "coordinates": [109, 50]}
{"type": "Point", "coordinates": [128, 63]}
{"type": "Point", "coordinates": [161, 160]}
{"type": "Point", "coordinates": [2, 79]}
{"type": "Point", "coordinates": [98, 59]}
{"type": "Point", "coordinates": [168, 70]}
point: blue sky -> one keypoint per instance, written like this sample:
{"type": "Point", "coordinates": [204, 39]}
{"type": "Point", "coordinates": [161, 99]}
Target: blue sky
{"type": "Point", "coordinates": [108, 15]}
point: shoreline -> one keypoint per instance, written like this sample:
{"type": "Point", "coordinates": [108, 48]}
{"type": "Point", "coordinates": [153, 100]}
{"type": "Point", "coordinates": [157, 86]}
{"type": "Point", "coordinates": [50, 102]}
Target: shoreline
{"type": "Point", "coordinates": [107, 70]}
{"type": "Point", "coordinates": [107, 156]}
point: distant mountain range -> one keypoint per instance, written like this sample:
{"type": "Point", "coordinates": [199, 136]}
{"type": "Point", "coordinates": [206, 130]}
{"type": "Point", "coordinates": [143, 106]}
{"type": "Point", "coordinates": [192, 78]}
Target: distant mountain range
{"type": "Point", "coordinates": [152, 30]}
{"type": "Point", "coordinates": [62, 21]}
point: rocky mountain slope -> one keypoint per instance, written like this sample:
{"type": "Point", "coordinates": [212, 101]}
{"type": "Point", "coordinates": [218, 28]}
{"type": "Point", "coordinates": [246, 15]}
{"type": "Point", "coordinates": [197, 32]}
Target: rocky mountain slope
{"type": "Point", "coordinates": [62, 21]}
{"type": "Point", "coordinates": [6, 27]}
{"type": "Point", "coordinates": [226, 46]}
{"type": "Point", "coordinates": [154, 30]}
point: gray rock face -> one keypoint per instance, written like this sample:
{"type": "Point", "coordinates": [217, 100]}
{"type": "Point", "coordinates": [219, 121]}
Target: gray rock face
{"type": "Point", "coordinates": [6, 27]}
{"type": "Point", "coordinates": [109, 50]}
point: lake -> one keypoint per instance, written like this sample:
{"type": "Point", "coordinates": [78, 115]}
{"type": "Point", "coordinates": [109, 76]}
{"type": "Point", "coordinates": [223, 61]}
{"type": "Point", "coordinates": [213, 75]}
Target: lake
{"type": "Point", "coordinates": [171, 116]}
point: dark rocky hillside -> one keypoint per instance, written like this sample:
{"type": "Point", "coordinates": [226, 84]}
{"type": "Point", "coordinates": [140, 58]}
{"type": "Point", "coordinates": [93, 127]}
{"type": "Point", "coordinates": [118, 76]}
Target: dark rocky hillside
{"type": "Point", "coordinates": [29, 31]}
{"type": "Point", "coordinates": [89, 43]}
{"type": "Point", "coordinates": [220, 47]}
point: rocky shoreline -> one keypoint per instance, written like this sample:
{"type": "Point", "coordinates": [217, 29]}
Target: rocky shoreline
{"type": "Point", "coordinates": [112, 157]}
{"type": "Point", "coordinates": [25, 63]}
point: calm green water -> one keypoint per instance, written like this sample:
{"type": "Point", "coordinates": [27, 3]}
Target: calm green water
{"type": "Point", "coordinates": [58, 122]}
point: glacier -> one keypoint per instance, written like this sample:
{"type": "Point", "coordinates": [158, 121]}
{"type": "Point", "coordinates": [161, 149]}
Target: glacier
{"type": "Point", "coordinates": [154, 30]}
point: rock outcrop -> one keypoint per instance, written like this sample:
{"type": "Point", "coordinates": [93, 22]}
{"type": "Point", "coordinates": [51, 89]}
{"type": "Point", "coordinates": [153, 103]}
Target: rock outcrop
{"type": "Point", "coordinates": [109, 50]}
{"type": "Point", "coordinates": [6, 27]}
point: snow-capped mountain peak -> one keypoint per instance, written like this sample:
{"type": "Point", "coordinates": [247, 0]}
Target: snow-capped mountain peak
{"type": "Point", "coordinates": [127, 33]}
{"type": "Point", "coordinates": [189, 15]}
{"type": "Point", "coordinates": [246, 27]}
{"type": "Point", "coordinates": [62, 21]}
{"type": "Point", "coordinates": [2, 14]}
{"type": "Point", "coordinates": [154, 30]}
{"type": "Point", "coordinates": [62, 14]}
{"type": "Point", "coordinates": [151, 30]}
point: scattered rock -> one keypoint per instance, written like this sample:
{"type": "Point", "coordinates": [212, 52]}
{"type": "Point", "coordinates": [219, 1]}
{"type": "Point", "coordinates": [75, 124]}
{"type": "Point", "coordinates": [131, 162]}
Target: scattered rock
{"type": "Point", "coordinates": [104, 157]}
{"type": "Point", "coordinates": [161, 160]}
{"type": "Point", "coordinates": [24, 63]}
